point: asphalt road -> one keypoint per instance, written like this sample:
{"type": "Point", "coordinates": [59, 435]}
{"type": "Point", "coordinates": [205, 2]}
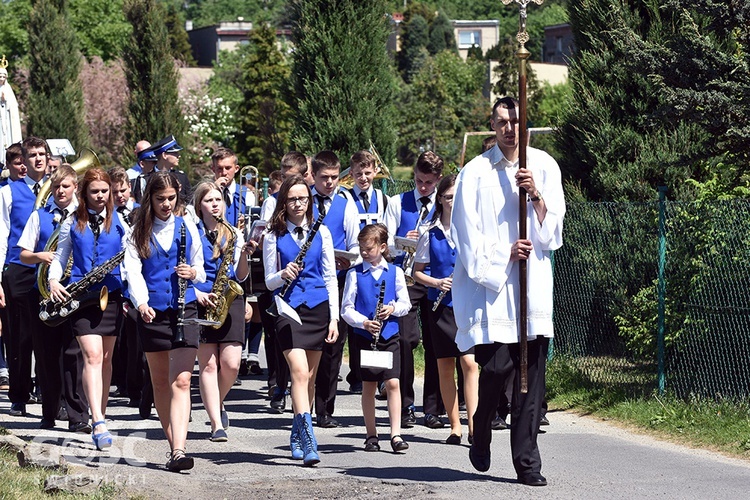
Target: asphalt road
{"type": "Point", "coordinates": [582, 458]}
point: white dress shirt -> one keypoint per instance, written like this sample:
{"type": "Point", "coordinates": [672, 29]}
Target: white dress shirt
{"type": "Point", "coordinates": [422, 255]}
{"type": "Point", "coordinates": [392, 217]}
{"type": "Point", "coordinates": [266, 210]}
{"type": "Point", "coordinates": [163, 233]}
{"type": "Point", "coordinates": [484, 226]}
{"type": "Point", "coordinates": [273, 269]}
{"type": "Point", "coordinates": [30, 236]}
{"type": "Point", "coordinates": [356, 319]}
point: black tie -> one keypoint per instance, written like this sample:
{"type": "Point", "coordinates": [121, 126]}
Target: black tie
{"type": "Point", "coordinates": [36, 189]}
{"type": "Point", "coordinates": [300, 231]}
{"type": "Point", "coordinates": [211, 235]}
{"type": "Point", "coordinates": [94, 223]}
{"type": "Point", "coordinates": [63, 214]}
{"type": "Point", "coordinates": [124, 214]}
{"type": "Point", "coordinates": [424, 200]}
{"type": "Point", "coordinates": [365, 200]}
{"type": "Point", "coordinates": [321, 204]}
{"type": "Point", "coordinates": [227, 197]}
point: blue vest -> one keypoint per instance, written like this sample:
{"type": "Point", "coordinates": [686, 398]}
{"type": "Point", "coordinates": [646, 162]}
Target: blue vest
{"type": "Point", "coordinates": [158, 271]}
{"type": "Point", "coordinates": [442, 262]}
{"type": "Point", "coordinates": [371, 215]}
{"type": "Point", "coordinates": [410, 209]}
{"type": "Point", "coordinates": [309, 288]}
{"type": "Point", "coordinates": [368, 292]}
{"type": "Point", "coordinates": [47, 226]}
{"type": "Point", "coordinates": [23, 205]}
{"type": "Point", "coordinates": [210, 264]}
{"type": "Point", "coordinates": [237, 207]}
{"type": "Point", "coordinates": [334, 220]}
{"type": "Point", "coordinates": [89, 253]}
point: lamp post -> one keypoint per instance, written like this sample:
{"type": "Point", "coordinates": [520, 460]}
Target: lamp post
{"type": "Point", "coordinates": [523, 286]}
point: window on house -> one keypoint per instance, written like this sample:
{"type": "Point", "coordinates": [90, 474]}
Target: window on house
{"type": "Point", "coordinates": [469, 38]}
{"type": "Point", "coordinates": [558, 42]}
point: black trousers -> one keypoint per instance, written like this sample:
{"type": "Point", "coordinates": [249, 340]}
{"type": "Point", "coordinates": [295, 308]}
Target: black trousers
{"type": "Point", "coordinates": [409, 337]}
{"type": "Point", "coordinates": [53, 368]}
{"type": "Point", "coordinates": [18, 284]}
{"type": "Point", "coordinates": [135, 359]}
{"type": "Point", "coordinates": [498, 362]}
{"type": "Point", "coordinates": [278, 370]}
{"type": "Point", "coordinates": [326, 380]}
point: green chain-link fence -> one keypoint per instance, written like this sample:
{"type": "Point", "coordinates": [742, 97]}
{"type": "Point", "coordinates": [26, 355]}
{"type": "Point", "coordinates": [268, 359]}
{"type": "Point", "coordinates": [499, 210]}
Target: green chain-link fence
{"type": "Point", "coordinates": [607, 297]}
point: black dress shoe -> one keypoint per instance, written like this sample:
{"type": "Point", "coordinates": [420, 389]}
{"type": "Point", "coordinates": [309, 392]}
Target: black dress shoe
{"type": "Point", "coordinates": [244, 370]}
{"type": "Point", "coordinates": [480, 460]}
{"type": "Point", "coordinates": [134, 402]}
{"type": "Point", "coordinates": [532, 479]}
{"type": "Point", "coordinates": [326, 421]}
{"type": "Point", "coordinates": [543, 420]}
{"type": "Point", "coordinates": [82, 427]}
{"type": "Point", "coordinates": [255, 368]}
{"type": "Point", "coordinates": [355, 388]}
{"type": "Point", "coordinates": [381, 395]}
{"type": "Point", "coordinates": [278, 401]}
{"type": "Point", "coordinates": [408, 419]}
{"type": "Point", "coordinates": [62, 414]}
{"type": "Point", "coordinates": [17, 410]}
{"type": "Point", "coordinates": [433, 421]}
{"type": "Point", "coordinates": [499, 424]}
{"type": "Point", "coordinates": [47, 423]}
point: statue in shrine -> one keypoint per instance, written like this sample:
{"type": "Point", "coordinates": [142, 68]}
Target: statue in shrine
{"type": "Point", "coordinates": [10, 122]}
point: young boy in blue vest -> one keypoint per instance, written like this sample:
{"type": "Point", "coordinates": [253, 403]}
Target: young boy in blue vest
{"type": "Point", "coordinates": [406, 216]}
{"type": "Point", "coordinates": [16, 205]}
{"type": "Point", "coordinates": [342, 220]}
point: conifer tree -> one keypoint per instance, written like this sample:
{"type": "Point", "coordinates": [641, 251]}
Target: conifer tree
{"type": "Point", "coordinates": [55, 108]}
{"type": "Point", "coordinates": [413, 54]}
{"type": "Point", "coordinates": [154, 105]}
{"type": "Point", "coordinates": [441, 35]}
{"type": "Point", "coordinates": [343, 78]}
{"type": "Point", "coordinates": [178, 37]}
{"type": "Point", "coordinates": [264, 115]}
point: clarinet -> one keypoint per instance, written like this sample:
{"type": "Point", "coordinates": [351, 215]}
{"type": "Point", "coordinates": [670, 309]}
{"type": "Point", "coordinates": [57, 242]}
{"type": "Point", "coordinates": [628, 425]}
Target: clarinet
{"type": "Point", "coordinates": [378, 308]}
{"type": "Point", "coordinates": [273, 310]}
{"type": "Point", "coordinates": [178, 339]}
{"type": "Point", "coordinates": [440, 297]}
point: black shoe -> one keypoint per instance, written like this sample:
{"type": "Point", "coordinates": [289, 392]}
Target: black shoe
{"type": "Point", "coordinates": [408, 419]}
{"type": "Point", "coordinates": [62, 414]}
{"type": "Point", "coordinates": [271, 391]}
{"type": "Point", "coordinates": [4, 383]}
{"type": "Point", "coordinates": [34, 398]}
{"type": "Point", "coordinates": [326, 421]}
{"type": "Point", "coordinates": [355, 388]}
{"type": "Point", "coordinates": [381, 395]}
{"type": "Point", "coordinates": [398, 444]}
{"type": "Point", "coordinates": [453, 439]}
{"type": "Point", "coordinates": [178, 461]}
{"type": "Point", "coordinates": [532, 479]}
{"type": "Point", "coordinates": [237, 382]}
{"type": "Point", "coordinates": [433, 421]}
{"type": "Point", "coordinates": [278, 401]}
{"type": "Point", "coordinates": [243, 368]}
{"type": "Point", "coordinates": [134, 403]}
{"type": "Point", "coordinates": [47, 423]}
{"type": "Point", "coordinates": [480, 460]}
{"type": "Point", "coordinates": [17, 410]}
{"type": "Point", "coordinates": [499, 424]}
{"type": "Point", "coordinates": [462, 406]}
{"type": "Point", "coordinates": [119, 393]}
{"type": "Point", "coordinates": [255, 368]}
{"type": "Point", "coordinates": [82, 427]}
{"type": "Point", "coordinates": [543, 420]}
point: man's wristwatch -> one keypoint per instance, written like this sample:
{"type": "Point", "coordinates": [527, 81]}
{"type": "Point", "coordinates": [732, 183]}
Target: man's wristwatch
{"type": "Point", "coordinates": [537, 197]}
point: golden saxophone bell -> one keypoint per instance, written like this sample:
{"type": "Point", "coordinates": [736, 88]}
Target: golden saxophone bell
{"type": "Point", "coordinates": [86, 160]}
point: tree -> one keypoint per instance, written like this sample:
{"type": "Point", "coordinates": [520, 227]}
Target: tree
{"type": "Point", "coordinates": [441, 35]}
{"type": "Point", "coordinates": [15, 40]}
{"type": "Point", "coordinates": [658, 91]}
{"type": "Point", "coordinates": [265, 119]}
{"type": "Point", "coordinates": [342, 77]}
{"type": "Point", "coordinates": [101, 27]}
{"type": "Point", "coordinates": [208, 12]}
{"type": "Point", "coordinates": [55, 108]}
{"type": "Point", "coordinates": [413, 53]}
{"type": "Point", "coordinates": [178, 37]}
{"type": "Point", "coordinates": [154, 105]}
{"type": "Point", "coordinates": [505, 74]}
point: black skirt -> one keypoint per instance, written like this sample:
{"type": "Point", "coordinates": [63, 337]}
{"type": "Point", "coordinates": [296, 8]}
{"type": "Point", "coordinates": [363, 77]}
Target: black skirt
{"type": "Point", "coordinates": [157, 336]}
{"type": "Point", "coordinates": [93, 321]}
{"type": "Point", "coordinates": [310, 335]}
{"type": "Point", "coordinates": [359, 342]}
{"type": "Point", "coordinates": [443, 330]}
{"type": "Point", "coordinates": [233, 329]}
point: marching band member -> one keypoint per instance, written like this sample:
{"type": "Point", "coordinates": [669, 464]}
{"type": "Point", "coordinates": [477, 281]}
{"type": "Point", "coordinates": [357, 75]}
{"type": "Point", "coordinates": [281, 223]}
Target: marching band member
{"type": "Point", "coordinates": [220, 350]}
{"type": "Point", "coordinates": [308, 264]}
{"type": "Point", "coordinates": [51, 344]}
{"type": "Point", "coordinates": [436, 248]}
{"type": "Point", "coordinates": [155, 285]}
{"type": "Point", "coordinates": [359, 305]}
{"type": "Point", "coordinates": [94, 236]}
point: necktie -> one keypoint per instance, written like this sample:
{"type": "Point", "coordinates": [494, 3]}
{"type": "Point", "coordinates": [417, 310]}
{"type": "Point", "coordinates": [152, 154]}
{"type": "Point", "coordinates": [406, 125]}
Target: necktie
{"type": "Point", "coordinates": [321, 204]}
{"type": "Point", "coordinates": [424, 200]}
{"type": "Point", "coordinates": [227, 197]}
{"type": "Point", "coordinates": [124, 214]}
{"type": "Point", "coordinates": [36, 189]}
{"type": "Point", "coordinates": [300, 232]}
{"type": "Point", "coordinates": [211, 236]}
{"type": "Point", "coordinates": [365, 200]}
{"type": "Point", "coordinates": [138, 188]}
{"type": "Point", "coordinates": [94, 224]}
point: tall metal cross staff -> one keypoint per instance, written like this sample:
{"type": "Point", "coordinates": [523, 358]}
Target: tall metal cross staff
{"type": "Point", "coordinates": [522, 54]}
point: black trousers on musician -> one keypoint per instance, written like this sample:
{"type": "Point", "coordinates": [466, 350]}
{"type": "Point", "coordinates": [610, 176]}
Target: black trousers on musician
{"type": "Point", "coordinates": [409, 333]}
{"type": "Point", "coordinates": [498, 362]}
{"type": "Point", "coordinates": [326, 380]}
{"type": "Point", "coordinates": [18, 284]}
{"type": "Point", "coordinates": [53, 368]}
{"type": "Point", "coordinates": [278, 370]}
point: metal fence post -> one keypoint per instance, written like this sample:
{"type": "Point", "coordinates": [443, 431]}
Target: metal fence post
{"type": "Point", "coordinates": [661, 285]}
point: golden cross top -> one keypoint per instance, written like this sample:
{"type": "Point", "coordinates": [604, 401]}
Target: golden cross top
{"type": "Point", "coordinates": [522, 35]}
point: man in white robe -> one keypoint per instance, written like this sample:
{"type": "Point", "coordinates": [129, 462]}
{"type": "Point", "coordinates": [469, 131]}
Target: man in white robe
{"type": "Point", "coordinates": [10, 122]}
{"type": "Point", "coordinates": [485, 228]}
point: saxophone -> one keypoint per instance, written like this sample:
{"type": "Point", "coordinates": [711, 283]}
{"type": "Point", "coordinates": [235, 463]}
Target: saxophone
{"type": "Point", "coordinates": [226, 290]}
{"type": "Point", "coordinates": [54, 313]}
